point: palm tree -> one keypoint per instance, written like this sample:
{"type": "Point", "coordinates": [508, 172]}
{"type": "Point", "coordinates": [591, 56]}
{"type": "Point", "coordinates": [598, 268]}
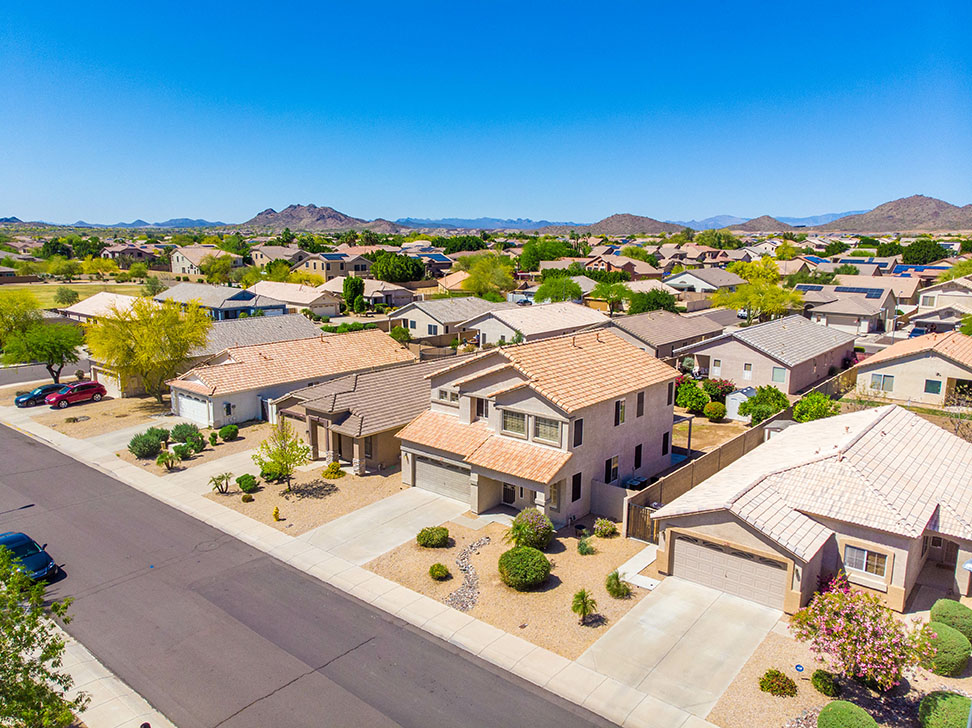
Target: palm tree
{"type": "Point", "coordinates": [518, 534]}
{"type": "Point", "coordinates": [583, 605]}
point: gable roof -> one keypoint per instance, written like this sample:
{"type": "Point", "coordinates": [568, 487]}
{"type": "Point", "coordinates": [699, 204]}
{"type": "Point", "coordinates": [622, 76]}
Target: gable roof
{"type": "Point", "coordinates": [255, 330]}
{"type": "Point", "coordinates": [296, 293]}
{"type": "Point", "coordinates": [717, 277]}
{"type": "Point", "coordinates": [855, 304]}
{"type": "Point", "coordinates": [100, 304]}
{"type": "Point", "coordinates": [196, 253]}
{"type": "Point", "coordinates": [210, 296]}
{"type": "Point", "coordinates": [453, 310]}
{"type": "Point", "coordinates": [664, 327]}
{"type": "Point", "coordinates": [901, 286]}
{"type": "Point", "coordinates": [952, 345]}
{"type": "Point", "coordinates": [544, 317]}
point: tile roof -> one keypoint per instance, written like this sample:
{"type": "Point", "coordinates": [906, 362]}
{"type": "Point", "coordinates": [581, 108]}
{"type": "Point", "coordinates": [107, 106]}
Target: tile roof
{"type": "Point", "coordinates": [649, 284]}
{"type": "Point", "coordinates": [902, 287]}
{"type": "Point", "coordinates": [372, 286]}
{"type": "Point", "coordinates": [453, 281]}
{"type": "Point", "coordinates": [953, 345]}
{"type": "Point", "coordinates": [854, 304]}
{"type": "Point", "coordinates": [717, 277]}
{"type": "Point", "coordinates": [100, 304]}
{"type": "Point", "coordinates": [210, 296]}
{"type": "Point", "coordinates": [664, 327]}
{"type": "Point", "coordinates": [296, 293]}
{"type": "Point", "coordinates": [443, 431]}
{"type": "Point", "coordinates": [883, 468]}
{"type": "Point", "coordinates": [453, 310]}
{"type": "Point", "coordinates": [196, 253]}
{"type": "Point", "coordinates": [244, 368]}
{"type": "Point", "coordinates": [255, 330]}
{"type": "Point", "coordinates": [543, 318]}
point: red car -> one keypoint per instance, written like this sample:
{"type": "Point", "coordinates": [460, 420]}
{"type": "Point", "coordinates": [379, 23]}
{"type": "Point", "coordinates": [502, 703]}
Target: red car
{"type": "Point", "coordinates": [74, 393]}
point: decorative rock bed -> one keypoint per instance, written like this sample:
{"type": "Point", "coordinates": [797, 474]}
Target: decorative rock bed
{"type": "Point", "coordinates": [465, 597]}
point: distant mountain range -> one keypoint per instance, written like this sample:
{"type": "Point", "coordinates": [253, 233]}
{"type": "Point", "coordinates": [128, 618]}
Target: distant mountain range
{"type": "Point", "coordinates": [618, 224]}
{"type": "Point", "coordinates": [731, 221]}
{"type": "Point", "coordinates": [480, 223]}
{"type": "Point", "coordinates": [915, 213]}
{"type": "Point", "coordinates": [177, 222]}
{"type": "Point", "coordinates": [312, 218]}
{"type": "Point", "coordinates": [10, 219]}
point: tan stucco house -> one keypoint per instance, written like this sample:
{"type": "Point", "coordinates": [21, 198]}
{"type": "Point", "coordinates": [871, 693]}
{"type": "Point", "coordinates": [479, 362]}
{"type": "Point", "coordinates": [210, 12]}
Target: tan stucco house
{"type": "Point", "coordinates": [930, 369]}
{"type": "Point", "coordinates": [532, 323]}
{"type": "Point", "coordinates": [298, 297]}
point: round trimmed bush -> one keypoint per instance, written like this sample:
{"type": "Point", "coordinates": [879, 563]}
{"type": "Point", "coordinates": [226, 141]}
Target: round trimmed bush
{"type": "Point", "coordinates": [952, 650]}
{"type": "Point", "coordinates": [247, 483]}
{"type": "Point", "coordinates": [144, 446]}
{"type": "Point", "coordinates": [333, 471]}
{"type": "Point", "coordinates": [183, 452]}
{"type": "Point", "coordinates": [841, 714]}
{"type": "Point", "coordinates": [954, 614]}
{"type": "Point", "coordinates": [439, 572]}
{"type": "Point", "coordinates": [714, 411]}
{"type": "Point", "coordinates": [433, 537]}
{"type": "Point", "coordinates": [246, 498]}
{"type": "Point", "coordinates": [776, 683]}
{"type": "Point", "coordinates": [228, 432]}
{"type": "Point", "coordinates": [942, 709]}
{"type": "Point", "coordinates": [183, 431]}
{"type": "Point", "coordinates": [605, 528]}
{"type": "Point", "coordinates": [523, 568]}
{"type": "Point", "coordinates": [537, 529]}
{"type": "Point", "coordinates": [825, 683]}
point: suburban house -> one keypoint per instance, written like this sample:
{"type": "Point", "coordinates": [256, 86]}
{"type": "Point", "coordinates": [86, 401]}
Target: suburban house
{"type": "Point", "coordinates": [661, 332]}
{"type": "Point", "coordinates": [223, 302]}
{"type": "Point", "coordinates": [127, 253]}
{"type": "Point", "coordinates": [265, 254]}
{"type": "Point", "coordinates": [6, 272]}
{"type": "Point", "coordinates": [944, 318]}
{"type": "Point", "coordinates": [186, 260]}
{"type": "Point", "coordinates": [638, 269]}
{"type": "Point", "coordinates": [100, 304]}
{"type": "Point", "coordinates": [442, 315]}
{"type": "Point", "coordinates": [931, 369]}
{"type": "Point", "coordinates": [452, 282]}
{"type": "Point", "coordinates": [561, 424]}
{"type": "Point", "coordinates": [881, 494]}
{"type": "Point", "coordinates": [239, 384]}
{"type": "Point", "coordinates": [705, 280]}
{"type": "Point", "coordinates": [331, 265]}
{"type": "Point", "coordinates": [529, 294]}
{"type": "Point", "coordinates": [298, 297]}
{"type": "Point", "coordinates": [530, 323]}
{"type": "Point", "coordinates": [375, 291]}
{"type": "Point", "coordinates": [849, 308]}
{"type": "Point", "coordinates": [355, 419]}
{"type": "Point", "coordinates": [791, 353]}
{"type": "Point", "coordinates": [905, 289]}
{"type": "Point", "coordinates": [957, 290]}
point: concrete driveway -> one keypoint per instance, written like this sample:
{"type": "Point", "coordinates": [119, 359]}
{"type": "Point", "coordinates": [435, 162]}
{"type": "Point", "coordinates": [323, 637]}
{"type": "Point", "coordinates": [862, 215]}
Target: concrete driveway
{"type": "Point", "coordinates": [377, 528]}
{"type": "Point", "coordinates": [683, 644]}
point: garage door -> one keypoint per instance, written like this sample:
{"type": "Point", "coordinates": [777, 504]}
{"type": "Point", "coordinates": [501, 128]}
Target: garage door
{"type": "Point", "coordinates": [193, 409]}
{"type": "Point", "coordinates": [442, 478]}
{"type": "Point", "coordinates": [734, 572]}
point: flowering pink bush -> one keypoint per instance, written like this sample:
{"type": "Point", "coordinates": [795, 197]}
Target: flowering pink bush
{"type": "Point", "coordinates": [859, 636]}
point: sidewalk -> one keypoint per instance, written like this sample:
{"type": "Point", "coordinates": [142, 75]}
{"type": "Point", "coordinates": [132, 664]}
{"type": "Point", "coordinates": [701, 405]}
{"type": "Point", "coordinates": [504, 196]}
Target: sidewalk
{"type": "Point", "coordinates": [596, 691]}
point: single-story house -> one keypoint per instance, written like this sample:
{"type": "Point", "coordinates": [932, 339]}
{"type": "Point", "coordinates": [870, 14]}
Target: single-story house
{"type": "Point", "coordinates": [130, 252]}
{"type": "Point", "coordinates": [375, 291]}
{"type": "Point", "coordinates": [931, 369]}
{"type": "Point", "coordinates": [442, 315]}
{"type": "Point", "coordinates": [849, 308]}
{"type": "Point", "coordinates": [239, 384]}
{"type": "Point", "coordinates": [186, 260]}
{"type": "Point", "coordinates": [661, 332]}
{"type": "Point", "coordinates": [944, 318]}
{"type": "Point", "coordinates": [790, 353]}
{"type": "Point", "coordinates": [7, 272]}
{"type": "Point", "coordinates": [298, 297]}
{"type": "Point", "coordinates": [880, 494]}
{"type": "Point", "coordinates": [100, 304]}
{"type": "Point", "coordinates": [705, 280]}
{"type": "Point", "coordinates": [223, 302]}
{"type": "Point", "coordinates": [905, 289]}
{"type": "Point", "coordinates": [540, 321]}
{"type": "Point", "coordinates": [637, 269]}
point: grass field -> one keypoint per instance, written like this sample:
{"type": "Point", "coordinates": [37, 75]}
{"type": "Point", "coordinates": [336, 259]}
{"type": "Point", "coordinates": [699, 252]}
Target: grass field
{"type": "Point", "coordinates": [45, 291]}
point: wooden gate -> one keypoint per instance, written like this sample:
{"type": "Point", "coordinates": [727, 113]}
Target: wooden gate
{"type": "Point", "coordinates": [640, 524]}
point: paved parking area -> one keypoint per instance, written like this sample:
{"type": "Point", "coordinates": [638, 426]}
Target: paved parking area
{"type": "Point", "coordinates": [682, 644]}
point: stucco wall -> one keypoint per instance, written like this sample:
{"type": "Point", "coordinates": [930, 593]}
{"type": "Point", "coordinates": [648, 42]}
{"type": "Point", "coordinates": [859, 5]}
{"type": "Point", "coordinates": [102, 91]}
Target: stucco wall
{"type": "Point", "coordinates": [909, 375]}
{"type": "Point", "coordinates": [422, 322]}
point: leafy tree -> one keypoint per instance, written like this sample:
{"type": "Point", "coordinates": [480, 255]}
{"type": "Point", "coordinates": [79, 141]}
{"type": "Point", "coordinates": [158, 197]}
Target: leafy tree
{"type": "Point", "coordinates": [530, 257]}
{"type": "Point", "coordinates": [653, 300]}
{"type": "Point", "coordinates": [369, 237]}
{"type": "Point", "coordinates": [90, 247]}
{"type": "Point", "coordinates": [767, 401]}
{"type": "Point", "coordinates": [282, 452]}
{"type": "Point", "coordinates": [98, 267]}
{"type": "Point", "coordinates": [846, 269]}
{"type": "Point", "coordinates": [216, 268]}
{"type": "Point", "coordinates": [859, 637]}
{"type": "Point", "coordinates": [286, 237]}
{"type": "Point", "coordinates": [234, 243]}
{"type": "Point", "coordinates": [359, 305]}
{"type": "Point", "coordinates": [786, 251]}
{"type": "Point", "coordinates": [276, 270]}
{"type": "Point", "coordinates": [33, 686]}
{"type": "Point", "coordinates": [763, 270]}
{"type": "Point", "coordinates": [349, 238]}
{"type": "Point", "coordinates": [716, 239]}
{"type": "Point", "coordinates": [153, 286]}
{"type": "Point", "coordinates": [583, 605]}
{"type": "Point", "coordinates": [633, 251]}
{"type": "Point", "coordinates": [759, 300]}
{"type": "Point", "coordinates": [966, 325]}
{"type": "Point", "coordinates": [835, 247]}
{"type": "Point", "coordinates": [65, 296]}
{"type": "Point", "coordinates": [53, 345]}
{"type": "Point", "coordinates": [804, 276]}
{"type": "Point", "coordinates": [396, 268]}
{"type": "Point", "coordinates": [886, 250]}
{"type": "Point", "coordinates": [691, 397]}
{"type": "Point", "coordinates": [63, 268]}
{"type": "Point", "coordinates": [138, 270]}
{"type": "Point", "coordinates": [305, 277]}
{"type": "Point", "coordinates": [959, 270]}
{"type": "Point", "coordinates": [400, 334]}
{"type": "Point", "coordinates": [353, 288]}
{"type": "Point", "coordinates": [558, 289]}
{"type": "Point", "coordinates": [924, 251]}
{"type": "Point", "coordinates": [149, 340]}
{"type": "Point", "coordinates": [54, 246]}
{"type": "Point", "coordinates": [461, 243]}
{"type": "Point", "coordinates": [614, 294]}
{"type": "Point", "coordinates": [489, 273]}
{"type": "Point", "coordinates": [966, 246]}
{"type": "Point", "coordinates": [815, 406]}
{"type": "Point", "coordinates": [19, 310]}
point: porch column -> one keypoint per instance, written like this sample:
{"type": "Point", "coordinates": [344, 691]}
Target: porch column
{"type": "Point", "coordinates": [963, 579]}
{"type": "Point", "coordinates": [358, 458]}
{"type": "Point", "coordinates": [312, 436]}
{"type": "Point", "coordinates": [329, 453]}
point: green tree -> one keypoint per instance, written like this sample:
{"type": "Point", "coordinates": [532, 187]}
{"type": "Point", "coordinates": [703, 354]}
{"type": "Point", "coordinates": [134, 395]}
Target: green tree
{"type": "Point", "coordinates": [353, 288]}
{"type": "Point", "coordinates": [846, 269]}
{"type": "Point", "coordinates": [54, 246]}
{"type": "Point", "coordinates": [717, 239]}
{"type": "Point", "coordinates": [835, 247]}
{"type": "Point", "coordinates": [633, 251]}
{"type": "Point", "coordinates": [763, 270]}
{"type": "Point", "coordinates": [369, 237]}
{"type": "Point", "coordinates": [53, 345]}
{"type": "Point", "coordinates": [400, 334]}
{"type": "Point", "coordinates": [786, 251]}
{"type": "Point", "coordinates": [959, 270]}
{"type": "Point", "coordinates": [767, 401]}
{"type": "Point", "coordinates": [65, 296]}
{"type": "Point", "coordinates": [360, 306]}
{"type": "Point", "coordinates": [349, 238]}
{"type": "Point", "coordinates": [98, 267]}
{"type": "Point", "coordinates": [19, 310]}
{"type": "Point", "coordinates": [886, 250]}
{"type": "Point", "coordinates": [815, 406]}
{"type": "Point", "coordinates": [153, 286]}
{"type": "Point", "coordinates": [760, 301]}
{"type": "Point", "coordinates": [90, 247]}
{"type": "Point", "coordinates": [460, 243]}
{"type": "Point", "coordinates": [149, 340]}
{"type": "Point", "coordinates": [583, 605]}
{"type": "Point", "coordinates": [216, 268]}
{"type": "Point", "coordinates": [614, 294]}
{"type": "Point", "coordinates": [63, 268]}
{"type": "Point", "coordinates": [924, 251]}
{"type": "Point", "coordinates": [282, 452]}
{"type": "Point", "coordinates": [287, 237]}
{"type": "Point", "coordinates": [805, 276]}
{"type": "Point", "coordinates": [234, 243]}
{"type": "Point", "coordinates": [530, 257]}
{"type": "Point", "coordinates": [276, 270]}
{"type": "Point", "coordinates": [396, 268]}
{"type": "Point", "coordinates": [966, 325]}
{"type": "Point", "coordinates": [653, 300]}
{"type": "Point", "coordinates": [489, 273]}
{"type": "Point", "coordinates": [138, 270]}
{"type": "Point", "coordinates": [691, 396]}
{"type": "Point", "coordinates": [558, 289]}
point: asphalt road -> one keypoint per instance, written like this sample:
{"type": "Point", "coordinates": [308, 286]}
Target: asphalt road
{"type": "Point", "coordinates": [213, 632]}
{"type": "Point", "coordinates": [33, 372]}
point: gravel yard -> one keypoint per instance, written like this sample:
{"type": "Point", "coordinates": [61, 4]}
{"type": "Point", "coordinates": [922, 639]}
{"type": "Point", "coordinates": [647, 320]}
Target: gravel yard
{"type": "Point", "coordinates": [312, 501]}
{"type": "Point", "coordinates": [250, 437]}
{"type": "Point", "coordinates": [105, 416]}
{"type": "Point", "coordinates": [706, 435]}
{"type": "Point", "coordinates": [542, 617]}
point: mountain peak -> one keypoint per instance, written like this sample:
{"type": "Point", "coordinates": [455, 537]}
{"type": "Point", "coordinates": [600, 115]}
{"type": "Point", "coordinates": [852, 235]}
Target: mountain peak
{"type": "Point", "coordinates": [914, 213]}
{"type": "Point", "coordinates": [762, 224]}
{"type": "Point", "coordinates": [311, 218]}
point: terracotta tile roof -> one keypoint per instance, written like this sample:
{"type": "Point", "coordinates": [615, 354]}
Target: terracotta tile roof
{"type": "Point", "coordinates": [243, 368]}
{"type": "Point", "coordinates": [445, 432]}
{"type": "Point", "coordinates": [543, 318]}
{"type": "Point", "coordinates": [664, 327]}
{"type": "Point", "coordinates": [953, 345]}
{"type": "Point", "coordinates": [100, 304]}
{"type": "Point", "coordinates": [294, 293]}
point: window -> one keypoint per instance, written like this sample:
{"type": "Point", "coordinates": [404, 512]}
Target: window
{"type": "Point", "coordinates": [449, 397]}
{"type": "Point", "coordinates": [575, 487]}
{"type": "Point", "coordinates": [227, 409]}
{"type": "Point", "coordinates": [671, 392]}
{"type": "Point", "coordinates": [578, 432]}
{"type": "Point", "coordinates": [482, 407]}
{"type": "Point", "coordinates": [611, 469]}
{"type": "Point", "coordinates": [514, 422]}
{"type": "Point", "coordinates": [637, 456]}
{"type": "Point", "coordinates": [369, 447]}
{"type": "Point", "coordinates": [433, 329]}
{"type": "Point", "coordinates": [640, 408]}
{"type": "Point", "coordinates": [933, 386]}
{"type": "Point", "coordinates": [554, 500]}
{"type": "Point", "coordinates": [924, 545]}
{"type": "Point", "coordinates": [870, 562]}
{"type": "Point", "coordinates": [936, 542]}
{"type": "Point", "coordinates": [546, 430]}
{"type": "Point", "coordinates": [717, 363]}
{"type": "Point", "coordinates": [883, 382]}
{"type": "Point", "coordinates": [411, 324]}
{"type": "Point", "coordinates": [618, 412]}
{"type": "Point", "coordinates": [664, 443]}
{"type": "Point", "coordinates": [747, 371]}
{"type": "Point", "coordinates": [928, 300]}
{"type": "Point", "coordinates": [779, 374]}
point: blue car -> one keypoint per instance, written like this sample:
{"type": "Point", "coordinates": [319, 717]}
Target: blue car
{"type": "Point", "coordinates": [33, 558]}
{"type": "Point", "coordinates": [36, 396]}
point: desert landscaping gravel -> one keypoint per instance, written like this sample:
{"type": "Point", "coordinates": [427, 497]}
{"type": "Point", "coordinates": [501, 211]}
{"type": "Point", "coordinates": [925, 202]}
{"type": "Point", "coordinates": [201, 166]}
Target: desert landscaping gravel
{"type": "Point", "coordinates": [249, 438]}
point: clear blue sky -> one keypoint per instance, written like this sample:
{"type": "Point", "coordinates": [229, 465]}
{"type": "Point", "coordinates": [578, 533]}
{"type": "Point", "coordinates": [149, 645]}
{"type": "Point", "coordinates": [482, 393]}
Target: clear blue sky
{"type": "Point", "coordinates": [542, 110]}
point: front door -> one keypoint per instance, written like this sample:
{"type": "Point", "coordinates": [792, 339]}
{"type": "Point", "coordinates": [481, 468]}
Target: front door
{"type": "Point", "coordinates": [509, 493]}
{"type": "Point", "coordinates": [951, 554]}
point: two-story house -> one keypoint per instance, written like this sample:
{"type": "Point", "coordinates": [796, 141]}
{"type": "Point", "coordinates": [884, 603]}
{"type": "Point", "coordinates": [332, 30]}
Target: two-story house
{"type": "Point", "coordinates": [188, 259]}
{"type": "Point", "coordinates": [332, 265]}
{"type": "Point", "coordinates": [561, 424]}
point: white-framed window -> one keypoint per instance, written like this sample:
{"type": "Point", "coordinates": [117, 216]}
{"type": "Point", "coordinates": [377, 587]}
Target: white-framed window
{"type": "Point", "coordinates": [928, 300]}
{"type": "Point", "coordinates": [779, 374]}
{"type": "Point", "coordinates": [747, 371]}
{"type": "Point", "coordinates": [514, 422]}
{"type": "Point", "coordinates": [411, 324]}
{"type": "Point", "coordinates": [869, 562]}
{"type": "Point", "coordinates": [883, 382]}
{"type": "Point", "coordinates": [554, 500]}
{"type": "Point", "coordinates": [546, 429]}
{"type": "Point", "coordinates": [933, 386]}
{"type": "Point", "coordinates": [433, 329]}
{"type": "Point", "coordinates": [449, 397]}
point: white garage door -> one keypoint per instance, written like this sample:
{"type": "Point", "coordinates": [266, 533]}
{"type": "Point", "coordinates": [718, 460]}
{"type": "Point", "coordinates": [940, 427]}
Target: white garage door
{"type": "Point", "coordinates": [193, 409]}
{"type": "Point", "coordinates": [734, 572]}
{"type": "Point", "coordinates": [442, 478]}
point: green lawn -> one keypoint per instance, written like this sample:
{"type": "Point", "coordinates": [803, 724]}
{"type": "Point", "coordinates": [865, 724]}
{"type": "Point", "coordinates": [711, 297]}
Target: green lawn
{"type": "Point", "coordinates": [45, 291]}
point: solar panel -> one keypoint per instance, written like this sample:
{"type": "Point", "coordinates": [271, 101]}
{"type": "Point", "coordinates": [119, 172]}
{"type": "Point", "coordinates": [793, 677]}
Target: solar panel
{"type": "Point", "coordinates": [868, 292]}
{"type": "Point", "coordinates": [809, 287]}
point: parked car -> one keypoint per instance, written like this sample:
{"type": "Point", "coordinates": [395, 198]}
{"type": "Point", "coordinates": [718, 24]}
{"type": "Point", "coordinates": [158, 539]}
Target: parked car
{"type": "Point", "coordinates": [37, 396]}
{"type": "Point", "coordinates": [74, 393]}
{"type": "Point", "coordinates": [33, 559]}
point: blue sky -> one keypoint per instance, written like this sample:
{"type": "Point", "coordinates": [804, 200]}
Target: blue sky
{"type": "Point", "coordinates": [544, 110]}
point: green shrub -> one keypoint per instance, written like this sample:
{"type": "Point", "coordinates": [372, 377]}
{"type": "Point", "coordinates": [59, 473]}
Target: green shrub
{"type": "Point", "coordinates": [333, 471]}
{"type": "Point", "coordinates": [247, 483]}
{"type": "Point", "coordinates": [166, 459]}
{"type": "Point", "coordinates": [246, 498]}
{"type": "Point", "coordinates": [159, 433]}
{"type": "Point", "coordinates": [942, 709]}
{"type": "Point", "coordinates": [825, 683]}
{"type": "Point", "coordinates": [691, 397]}
{"type": "Point", "coordinates": [776, 683]}
{"type": "Point", "coordinates": [954, 614]}
{"type": "Point", "coordinates": [433, 537]}
{"type": "Point", "coordinates": [213, 439]}
{"type": "Point", "coordinates": [228, 433]}
{"type": "Point", "coordinates": [183, 452]}
{"type": "Point", "coordinates": [532, 528]}
{"type": "Point", "coordinates": [841, 714]}
{"type": "Point", "coordinates": [270, 473]}
{"type": "Point", "coordinates": [523, 567]}
{"type": "Point", "coordinates": [952, 650]}
{"type": "Point", "coordinates": [196, 442]}
{"type": "Point", "coordinates": [144, 446]}
{"type": "Point", "coordinates": [605, 528]}
{"type": "Point", "coordinates": [183, 431]}
{"type": "Point", "coordinates": [767, 401]}
{"type": "Point", "coordinates": [714, 411]}
{"type": "Point", "coordinates": [439, 572]}
{"type": "Point", "coordinates": [585, 547]}
{"type": "Point", "coordinates": [616, 587]}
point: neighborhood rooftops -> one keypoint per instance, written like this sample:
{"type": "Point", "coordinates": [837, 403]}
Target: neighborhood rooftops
{"type": "Point", "coordinates": [372, 287]}
{"type": "Point", "coordinates": [254, 331]}
{"type": "Point", "coordinates": [216, 297]}
{"type": "Point", "coordinates": [453, 310]}
{"type": "Point", "coordinates": [717, 277]}
{"type": "Point", "coordinates": [544, 317]}
{"type": "Point", "coordinates": [296, 293]}
{"type": "Point", "coordinates": [100, 304]}
{"type": "Point", "coordinates": [664, 327]}
{"type": "Point", "coordinates": [197, 253]}
{"type": "Point", "coordinates": [953, 345]}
